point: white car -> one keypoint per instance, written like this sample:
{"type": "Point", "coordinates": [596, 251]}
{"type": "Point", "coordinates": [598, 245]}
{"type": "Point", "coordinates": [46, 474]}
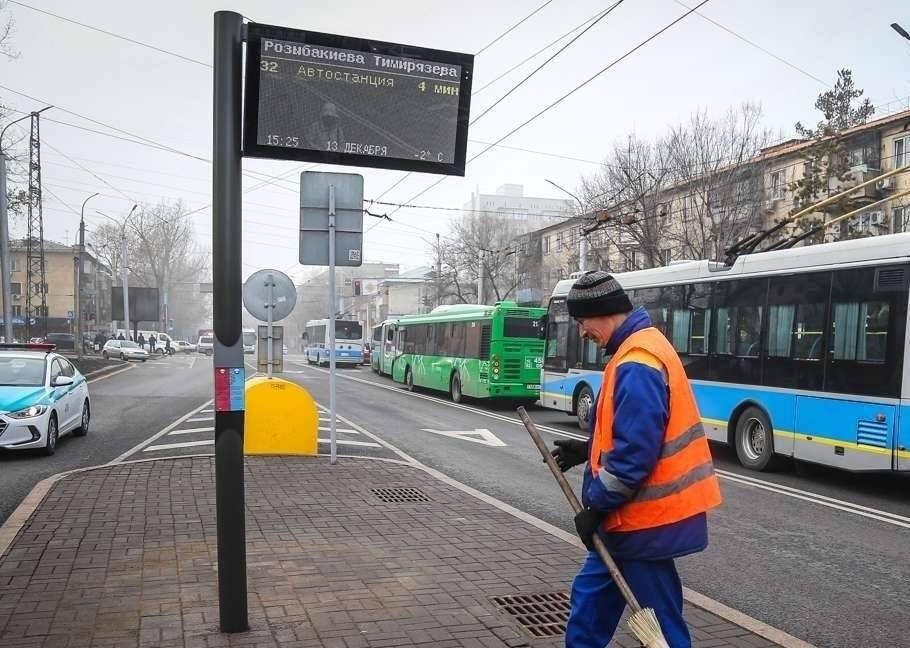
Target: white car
{"type": "Point", "coordinates": [182, 346]}
{"type": "Point", "coordinates": [42, 397]}
{"type": "Point", "coordinates": [125, 350]}
{"type": "Point", "coordinates": [206, 345]}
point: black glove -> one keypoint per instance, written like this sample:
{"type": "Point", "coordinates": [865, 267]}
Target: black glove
{"type": "Point", "coordinates": [587, 522]}
{"type": "Point", "coordinates": [569, 453]}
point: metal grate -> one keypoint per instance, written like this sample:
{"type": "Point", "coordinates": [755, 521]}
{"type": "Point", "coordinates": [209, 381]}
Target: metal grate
{"type": "Point", "coordinates": [887, 279]}
{"type": "Point", "coordinates": [540, 615]}
{"type": "Point", "coordinates": [485, 342]}
{"type": "Point", "coordinates": [400, 495]}
{"type": "Point", "coordinates": [511, 369]}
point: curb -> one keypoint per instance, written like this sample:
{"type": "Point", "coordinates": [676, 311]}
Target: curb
{"type": "Point", "coordinates": [20, 516]}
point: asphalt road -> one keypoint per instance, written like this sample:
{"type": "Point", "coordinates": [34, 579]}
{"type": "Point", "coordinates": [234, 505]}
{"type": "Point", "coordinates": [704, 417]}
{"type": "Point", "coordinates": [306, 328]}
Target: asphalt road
{"type": "Point", "coordinates": [815, 552]}
{"type": "Point", "coordinates": [127, 407]}
{"type": "Point", "coordinates": [793, 549]}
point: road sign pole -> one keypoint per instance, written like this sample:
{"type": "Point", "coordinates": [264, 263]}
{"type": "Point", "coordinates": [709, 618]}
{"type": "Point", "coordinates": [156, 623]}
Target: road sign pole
{"type": "Point", "coordinates": [271, 307]}
{"type": "Point", "coordinates": [332, 309]}
{"type": "Point", "coordinates": [6, 291]}
{"type": "Point", "coordinates": [227, 281]}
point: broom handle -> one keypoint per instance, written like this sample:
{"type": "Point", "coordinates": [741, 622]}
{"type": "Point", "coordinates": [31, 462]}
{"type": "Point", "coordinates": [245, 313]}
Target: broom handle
{"type": "Point", "coordinates": [576, 507]}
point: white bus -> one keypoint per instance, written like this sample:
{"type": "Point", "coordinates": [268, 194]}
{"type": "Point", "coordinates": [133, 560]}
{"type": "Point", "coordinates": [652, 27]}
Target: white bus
{"type": "Point", "coordinates": [797, 353]}
{"type": "Point", "coordinates": [249, 341]}
{"type": "Point", "coordinates": [348, 342]}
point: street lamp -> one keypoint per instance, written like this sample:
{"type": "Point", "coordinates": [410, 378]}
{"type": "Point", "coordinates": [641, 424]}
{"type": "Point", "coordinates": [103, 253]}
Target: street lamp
{"type": "Point", "coordinates": [77, 311]}
{"type": "Point", "coordinates": [124, 272]}
{"type": "Point", "coordinates": [582, 239]}
{"type": "Point", "coordinates": [4, 237]}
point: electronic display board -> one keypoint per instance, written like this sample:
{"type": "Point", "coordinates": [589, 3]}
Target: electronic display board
{"type": "Point", "coordinates": [343, 100]}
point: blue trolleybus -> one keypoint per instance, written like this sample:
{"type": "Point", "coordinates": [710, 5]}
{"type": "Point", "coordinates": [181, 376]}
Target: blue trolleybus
{"type": "Point", "coordinates": [348, 342]}
{"type": "Point", "coordinates": [797, 353]}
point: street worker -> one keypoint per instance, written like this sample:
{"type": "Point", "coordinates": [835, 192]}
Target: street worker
{"type": "Point", "coordinates": [649, 480]}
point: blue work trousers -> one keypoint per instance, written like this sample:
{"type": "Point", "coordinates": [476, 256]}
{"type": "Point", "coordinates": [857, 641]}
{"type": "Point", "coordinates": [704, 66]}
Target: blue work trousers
{"type": "Point", "coordinates": [597, 603]}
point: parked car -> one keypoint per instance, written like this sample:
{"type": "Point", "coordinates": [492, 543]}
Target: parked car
{"type": "Point", "coordinates": [182, 346]}
{"type": "Point", "coordinates": [125, 350]}
{"type": "Point", "coordinates": [206, 345]}
{"type": "Point", "coordinates": [42, 397]}
{"type": "Point", "coordinates": [63, 341]}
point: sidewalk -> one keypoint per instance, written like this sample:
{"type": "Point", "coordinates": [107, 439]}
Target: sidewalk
{"type": "Point", "coordinates": [365, 554]}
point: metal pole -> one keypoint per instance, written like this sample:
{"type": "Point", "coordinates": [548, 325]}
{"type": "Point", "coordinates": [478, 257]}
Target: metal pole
{"type": "Point", "coordinates": [271, 305]}
{"type": "Point", "coordinates": [582, 252]}
{"type": "Point", "coordinates": [332, 308]}
{"type": "Point", "coordinates": [4, 256]}
{"type": "Point", "coordinates": [438, 271]}
{"type": "Point", "coordinates": [227, 276]}
{"type": "Point", "coordinates": [125, 279]}
{"type": "Point", "coordinates": [333, 450]}
{"type": "Point", "coordinates": [480, 279]}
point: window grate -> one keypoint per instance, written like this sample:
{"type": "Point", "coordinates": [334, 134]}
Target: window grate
{"type": "Point", "coordinates": [400, 495]}
{"type": "Point", "coordinates": [890, 279]}
{"type": "Point", "coordinates": [485, 342]}
{"type": "Point", "coordinates": [540, 615]}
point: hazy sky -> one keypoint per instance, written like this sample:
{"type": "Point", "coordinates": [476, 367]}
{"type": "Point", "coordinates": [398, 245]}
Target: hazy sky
{"type": "Point", "coordinates": [695, 65]}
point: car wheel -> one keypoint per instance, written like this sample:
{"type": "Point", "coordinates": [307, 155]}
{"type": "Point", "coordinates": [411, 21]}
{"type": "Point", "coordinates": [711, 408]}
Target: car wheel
{"type": "Point", "coordinates": [144, 359]}
{"type": "Point", "coordinates": [409, 379]}
{"type": "Point", "coordinates": [82, 430]}
{"type": "Point", "coordinates": [50, 446]}
{"type": "Point", "coordinates": [122, 357]}
{"type": "Point", "coordinates": [455, 389]}
{"type": "Point", "coordinates": [754, 440]}
{"type": "Point", "coordinates": [584, 408]}
{"type": "Point", "coordinates": [105, 355]}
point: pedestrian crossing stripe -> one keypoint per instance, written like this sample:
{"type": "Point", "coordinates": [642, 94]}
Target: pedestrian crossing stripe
{"type": "Point", "coordinates": [191, 430]}
{"type": "Point", "coordinates": [207, 442]}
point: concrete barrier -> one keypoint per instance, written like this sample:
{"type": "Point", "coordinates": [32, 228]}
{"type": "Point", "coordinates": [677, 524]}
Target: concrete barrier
{"type": "Point", "coordinates": [281, 418]}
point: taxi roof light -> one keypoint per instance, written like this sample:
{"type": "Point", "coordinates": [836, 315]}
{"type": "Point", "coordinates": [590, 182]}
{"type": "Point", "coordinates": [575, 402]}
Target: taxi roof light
{"type": "Point", "coordinates": [28, 346]}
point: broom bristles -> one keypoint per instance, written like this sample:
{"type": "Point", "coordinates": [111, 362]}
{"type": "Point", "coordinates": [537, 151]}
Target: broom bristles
{"type": "Point", "coordinates": [646, 628]}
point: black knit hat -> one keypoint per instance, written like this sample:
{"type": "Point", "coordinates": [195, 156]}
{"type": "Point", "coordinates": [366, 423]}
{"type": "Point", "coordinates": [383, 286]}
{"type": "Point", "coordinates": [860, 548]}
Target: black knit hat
{"type": "Point", "coordinates": [597, 293]}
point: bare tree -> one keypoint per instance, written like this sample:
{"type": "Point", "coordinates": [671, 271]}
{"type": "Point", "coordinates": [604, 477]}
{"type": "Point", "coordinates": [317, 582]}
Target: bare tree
{"type": "Point", "coordinates": [162, 253]}
{"type": "Point", "coordinates": [475, 244]}
{"type": "Point", "coordinates": [6, 34]}
{"type": "Point", "coordinates": [712, 163]}
{"type": "Point", "coordinates": [624, 198]}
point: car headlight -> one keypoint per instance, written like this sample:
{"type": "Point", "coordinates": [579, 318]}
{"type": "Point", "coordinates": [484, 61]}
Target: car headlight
{"type": "Point", "coordinates": [28, 412]}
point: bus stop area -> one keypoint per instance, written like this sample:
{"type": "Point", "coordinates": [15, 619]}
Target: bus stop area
{"type": "Point", "coordinates": [369, 552]}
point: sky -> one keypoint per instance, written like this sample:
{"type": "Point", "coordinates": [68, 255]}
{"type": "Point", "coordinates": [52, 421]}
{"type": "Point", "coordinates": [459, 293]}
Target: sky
{"type": "Point", "coordinates": [694, 65]}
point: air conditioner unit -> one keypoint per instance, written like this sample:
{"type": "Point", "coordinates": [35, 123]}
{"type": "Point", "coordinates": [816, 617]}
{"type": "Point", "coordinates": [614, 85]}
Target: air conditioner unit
{"type": "Point", "coordinates": [886, 185]}
{"type": "Point", "coordinates": [770, 204]}
{"type": "Point", "coordinates": [876, 218]}
{"type": "Point", "coordinates": [17, 298]}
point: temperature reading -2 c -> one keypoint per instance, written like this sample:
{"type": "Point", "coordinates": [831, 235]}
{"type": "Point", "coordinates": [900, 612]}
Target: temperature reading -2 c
{"type": "Point", "coordinates": [284, 140]}
{"type": "Point", "coordinates": [429, 155]}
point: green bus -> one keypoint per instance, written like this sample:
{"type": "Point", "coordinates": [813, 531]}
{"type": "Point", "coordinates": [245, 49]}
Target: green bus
{"type": "Point", "coordinates": [467, 350]}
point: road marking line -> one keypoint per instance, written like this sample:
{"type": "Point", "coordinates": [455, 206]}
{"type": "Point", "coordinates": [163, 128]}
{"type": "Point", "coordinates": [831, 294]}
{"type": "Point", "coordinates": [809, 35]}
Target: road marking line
{"type": "Point", "coordinates": [201, 419]}
{"type": "Point", "coordinates": [207, 411]}
{"type": "Point", "coordinates": [191, 430]}
{"type": "Point", "coordinates": [492, 415]}
{"type": "Point", "coordinates": [185, 444]}
{"type": "Point", "coordinates": [193, 361]}
{"type": "Point", "coordinates": [158, 435]}
{"type": "Point", "coordinates": [821, 500]}
{"type": "Point", "coordinates": [338, 429]}
{"type": "Point", "coordinates": [366, 444]}
{"type": "Point", "coordinates": [109, 374]}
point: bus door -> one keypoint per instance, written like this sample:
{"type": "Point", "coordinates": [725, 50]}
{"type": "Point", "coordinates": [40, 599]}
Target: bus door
{"type": "Point", "coordinates": [903, 437]}
{"type": "Point", "coordinates": [556, 361]}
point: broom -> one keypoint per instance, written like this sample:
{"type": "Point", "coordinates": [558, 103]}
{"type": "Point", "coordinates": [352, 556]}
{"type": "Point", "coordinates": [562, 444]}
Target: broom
{"type": "Point", "coordinates": [643, 621]}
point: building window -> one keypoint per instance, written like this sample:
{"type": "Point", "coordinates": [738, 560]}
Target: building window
{"type": "Point", "coordinates": [901, 152]}
{"type": "Point", "coordinates": [17, 311]}
{"type": "Point", "coordinates": [777, 185]}
{"type": "Point", "coordinates": [559, 241]}
{"type": "Point", "coordinates": [523, 248]}
{"type": "Point", "coordinates": [666, 256]}
{"type": "Point", "coordinates": [902, 219]}
{"type": "Point", "coordinates": [15, 288]}
{"type": "Point", "coordinates": [688, 208]}
{"type": "Point", "coordinates": [14, 265]}
{"type": "Point", "coordinates": [632, 260]}
{"type": "Point", "coordinates": [545, 242]}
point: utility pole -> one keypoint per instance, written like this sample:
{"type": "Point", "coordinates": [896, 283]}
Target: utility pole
{"type": "Point", "coordinates": [36, 268]}
{"type": "Point", "coordinates": [480, 278]}
{"type": "Point", "coordinates": [125, 279]}
{"type": "Point", "coordinates": [80, 262]}
{"type": "Point", "coordinates": [438, 272]}
{"type": "Point", "coordinates": [4, 256]}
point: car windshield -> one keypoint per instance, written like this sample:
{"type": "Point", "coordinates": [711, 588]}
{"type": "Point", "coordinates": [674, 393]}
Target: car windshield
{"type": "Point", "coordinates": [127, 344]}
{"type": "Point", "coordinates": [21, 372]}
{"type": "Point", "coordinates": [205, 340]}
{"type": "Point", "coordinates": [348, 330]}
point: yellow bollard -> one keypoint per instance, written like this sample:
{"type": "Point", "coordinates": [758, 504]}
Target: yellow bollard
{"type": "Point", "coordinates": [281, 418]}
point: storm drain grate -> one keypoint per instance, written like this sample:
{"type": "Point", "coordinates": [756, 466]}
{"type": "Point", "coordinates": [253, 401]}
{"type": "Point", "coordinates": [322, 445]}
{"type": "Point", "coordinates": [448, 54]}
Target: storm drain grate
{"type": "Point", "coordinates": [400, 495]}
{"type": "Point", "coordinates": [541, 615]}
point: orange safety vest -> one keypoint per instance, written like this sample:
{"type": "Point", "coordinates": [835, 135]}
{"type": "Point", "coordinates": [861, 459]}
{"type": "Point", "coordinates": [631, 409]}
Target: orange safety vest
{"type": "Point", "coordinates": [683, 482]}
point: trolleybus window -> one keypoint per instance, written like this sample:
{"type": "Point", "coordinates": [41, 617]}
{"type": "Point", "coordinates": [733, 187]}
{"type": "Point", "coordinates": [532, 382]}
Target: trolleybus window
{"type": "Point", "coordinates": [521, 327]}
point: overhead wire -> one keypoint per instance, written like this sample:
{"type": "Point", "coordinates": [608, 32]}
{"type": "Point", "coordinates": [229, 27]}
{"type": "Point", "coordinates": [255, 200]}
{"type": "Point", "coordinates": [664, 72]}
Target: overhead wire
{"type": "Point", "coordinates": [160, 50]}
{"type": "Point", "coordinates": [511, 29]}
